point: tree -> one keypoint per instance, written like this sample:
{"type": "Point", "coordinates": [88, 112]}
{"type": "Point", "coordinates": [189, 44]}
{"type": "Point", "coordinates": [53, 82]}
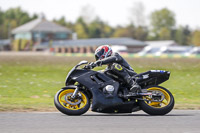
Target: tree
{"type": "Point", "coordinates": [94, 30]}
{"type": "Point", "coordinates": [196, 38]}
{"type": "Point", "coordinates": [137, 14]}
{"type": "Point", "coordinates": [140, 33]}
{"type": "Point", "coordinates": [1, 23]}
{"type": "Point", "coordinates": [183, 35]}
{"type": "Point", "coordinates": [162, 20]}
{"type": "Point", "coordinates": [107, 30]}
{"type": "Point", "coordinates": [98, 28]}
{"type": "Point", "coordinates": [61, 21]}
{"type": "Point", "coordinates": [81, 28]}
{"type": "Point", "coordinates": [87, 13]}
{"type": "Point", "coordinates": [18, 15]}
{"type": "Point", "coordinates": [164, 34]}
{"type": "Point", "coordinates": [121, 32]}
{"type": "Point", "coordinates": [12, 18]}
{"type": "Point", "coordinates": [1, 16]}
{"type": "Point", "coordinates": [131, 31]}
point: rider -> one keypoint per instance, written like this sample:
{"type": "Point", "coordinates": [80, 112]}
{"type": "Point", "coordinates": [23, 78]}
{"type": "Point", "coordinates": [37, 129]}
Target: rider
{"type": "Point", "coordinates": [117, 65]}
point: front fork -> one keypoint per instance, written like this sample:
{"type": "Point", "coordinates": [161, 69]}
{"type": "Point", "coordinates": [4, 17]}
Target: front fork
{"type": "Point", "coordinates": [75, 93]}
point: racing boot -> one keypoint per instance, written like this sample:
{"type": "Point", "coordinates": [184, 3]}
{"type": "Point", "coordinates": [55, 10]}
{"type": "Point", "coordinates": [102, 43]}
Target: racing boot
{"type": "Point", "coordinates": [134, 87]}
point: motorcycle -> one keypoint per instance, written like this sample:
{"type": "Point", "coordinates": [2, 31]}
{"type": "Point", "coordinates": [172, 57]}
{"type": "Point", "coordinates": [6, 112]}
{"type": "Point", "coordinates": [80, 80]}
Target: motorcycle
{"type": "Point", "coordinates": [108, 93]}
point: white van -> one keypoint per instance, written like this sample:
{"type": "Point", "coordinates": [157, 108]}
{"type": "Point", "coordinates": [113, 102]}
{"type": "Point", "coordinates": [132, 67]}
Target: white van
{"type": "Point", "coordinates": [173, 50]}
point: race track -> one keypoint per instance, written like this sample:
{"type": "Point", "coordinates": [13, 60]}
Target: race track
{"type": "Point", "coordinates": [178, 121]}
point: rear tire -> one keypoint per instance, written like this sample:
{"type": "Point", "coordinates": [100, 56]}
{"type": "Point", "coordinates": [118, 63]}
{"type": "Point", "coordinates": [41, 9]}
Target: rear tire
{"type": "Point", "coordinates": [68, 109]}
{"type": "Point", "coordinates": [152, 110]}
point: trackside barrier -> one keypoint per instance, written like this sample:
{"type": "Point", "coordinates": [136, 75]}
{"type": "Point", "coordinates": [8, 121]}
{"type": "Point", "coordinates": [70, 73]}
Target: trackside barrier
{"type": "Point", "coordinates": [130, 55]}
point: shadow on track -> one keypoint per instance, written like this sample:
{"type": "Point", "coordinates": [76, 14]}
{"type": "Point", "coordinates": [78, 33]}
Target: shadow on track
{"type": "Point", "coordinates": [168, 115]}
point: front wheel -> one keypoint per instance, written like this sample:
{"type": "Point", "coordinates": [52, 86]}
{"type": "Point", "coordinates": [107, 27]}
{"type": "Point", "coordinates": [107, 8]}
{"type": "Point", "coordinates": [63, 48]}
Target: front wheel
{"type": "Point", "coordinates": [65, 104]}
{"type": "Point", "coordinates": [160, 102]}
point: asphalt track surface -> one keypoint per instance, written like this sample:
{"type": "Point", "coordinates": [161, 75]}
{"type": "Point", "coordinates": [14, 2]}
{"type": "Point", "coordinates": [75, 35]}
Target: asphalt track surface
{"type": "Point", "coordinates": [178, 121]}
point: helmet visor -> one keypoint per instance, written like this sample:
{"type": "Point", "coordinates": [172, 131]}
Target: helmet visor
{"type": "Point", "coordinates": [99, 54]}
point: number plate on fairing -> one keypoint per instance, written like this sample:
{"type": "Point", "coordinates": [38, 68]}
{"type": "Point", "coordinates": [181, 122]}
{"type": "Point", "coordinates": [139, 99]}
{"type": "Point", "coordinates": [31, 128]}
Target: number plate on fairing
{"type": "Point", "coordinates": [161, 71]}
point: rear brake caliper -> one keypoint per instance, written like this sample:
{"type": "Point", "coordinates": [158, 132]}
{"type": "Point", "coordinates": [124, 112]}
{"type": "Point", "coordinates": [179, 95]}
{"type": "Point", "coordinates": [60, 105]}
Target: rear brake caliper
{"type": "Point", "coordinates": [157, 96]}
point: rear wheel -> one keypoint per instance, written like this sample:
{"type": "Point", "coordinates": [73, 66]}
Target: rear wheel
{"type": "Point", "coordinates": [65, 104]}
{"type": "Point", "coordinates": [160, 103]}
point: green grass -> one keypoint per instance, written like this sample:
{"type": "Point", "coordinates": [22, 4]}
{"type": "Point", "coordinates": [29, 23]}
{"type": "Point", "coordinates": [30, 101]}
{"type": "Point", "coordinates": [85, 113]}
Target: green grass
{"type": "Point", "coordinates": [30, 83]}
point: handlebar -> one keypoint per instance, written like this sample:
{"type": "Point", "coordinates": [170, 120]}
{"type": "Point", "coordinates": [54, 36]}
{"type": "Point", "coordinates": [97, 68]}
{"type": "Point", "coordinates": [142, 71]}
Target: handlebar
{"type": "Point", "coordinates": [90, 66]}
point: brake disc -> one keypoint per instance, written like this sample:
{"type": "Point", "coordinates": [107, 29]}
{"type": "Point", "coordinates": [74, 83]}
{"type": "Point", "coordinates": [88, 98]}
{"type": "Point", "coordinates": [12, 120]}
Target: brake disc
{"type": "Point", "coordinates": [68, 97]}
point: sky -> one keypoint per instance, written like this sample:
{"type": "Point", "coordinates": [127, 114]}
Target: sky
{"type": "Point", "coordinates": [114, 12]}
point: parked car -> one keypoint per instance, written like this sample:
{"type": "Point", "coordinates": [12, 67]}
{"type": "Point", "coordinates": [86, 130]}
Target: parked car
{"type": "Point", "coordinates": [148, 50]}
{"type": "Point", "coordinates": [173, 50]}
{"type": "Point", "coordinates": [193, 51]}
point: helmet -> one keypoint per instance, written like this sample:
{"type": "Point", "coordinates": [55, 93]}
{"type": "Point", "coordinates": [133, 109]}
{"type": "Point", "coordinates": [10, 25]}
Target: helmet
{"type": "Point", "coordinates": [102, 52]}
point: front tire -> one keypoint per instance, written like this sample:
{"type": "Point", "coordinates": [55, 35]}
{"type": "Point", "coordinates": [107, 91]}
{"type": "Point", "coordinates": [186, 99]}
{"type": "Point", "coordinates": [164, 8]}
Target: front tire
{"type": "Point", "coordinates": [77, 107]}
{"type": "Point", "coordinates": [157, 108]}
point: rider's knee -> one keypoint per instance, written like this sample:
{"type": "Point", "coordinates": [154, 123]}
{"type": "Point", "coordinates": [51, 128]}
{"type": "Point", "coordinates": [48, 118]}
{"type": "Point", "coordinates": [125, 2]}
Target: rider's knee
{"type": "Point", "coordinates": [117, 67]}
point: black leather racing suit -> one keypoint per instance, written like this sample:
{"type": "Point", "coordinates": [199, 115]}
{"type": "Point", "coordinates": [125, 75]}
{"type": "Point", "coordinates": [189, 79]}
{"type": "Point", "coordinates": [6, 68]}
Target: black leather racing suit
{"type": "Point", "coordinates": [118, 66]}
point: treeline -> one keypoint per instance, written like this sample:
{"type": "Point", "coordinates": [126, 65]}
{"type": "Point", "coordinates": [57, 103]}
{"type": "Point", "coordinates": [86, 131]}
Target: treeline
{"type": "Point", "coordinates": [11, 19]}
{"type": "Point", "coordinates": [162, 27]}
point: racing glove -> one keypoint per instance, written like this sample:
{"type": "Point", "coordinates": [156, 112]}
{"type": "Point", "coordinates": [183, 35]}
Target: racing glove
{"type": "Point", "coordinates": [91, 65]}
{"type": "Point", "coordinates": [98, 63]}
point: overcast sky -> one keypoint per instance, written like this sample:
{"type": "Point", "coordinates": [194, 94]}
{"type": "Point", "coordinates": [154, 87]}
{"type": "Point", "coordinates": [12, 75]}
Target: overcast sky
{"type": "Point", "coordinates": [115, 12]}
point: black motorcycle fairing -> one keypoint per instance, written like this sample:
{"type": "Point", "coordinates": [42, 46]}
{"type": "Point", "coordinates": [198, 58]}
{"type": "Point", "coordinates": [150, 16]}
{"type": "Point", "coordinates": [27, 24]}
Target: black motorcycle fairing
{"type": "Point", "coordinates": [111, 105]}
{"type": "Point", "coordinates": [152, 77]}
{"type": "Point", "coordinates": [75, 73]}
{"type": "Point", "coordinates": [95, 82]}
{"type": "Point", "coordinates": [89, 78]}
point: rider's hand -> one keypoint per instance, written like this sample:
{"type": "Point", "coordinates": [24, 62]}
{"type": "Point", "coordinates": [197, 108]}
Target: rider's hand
{"type": "Point", "coordinates": [91, 65]}
{"type": "Point", "coordinates": [98, 63]}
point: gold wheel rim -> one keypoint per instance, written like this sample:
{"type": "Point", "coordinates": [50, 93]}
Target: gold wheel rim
{"type": "Point", "coordinates": [62, 101]}
{"type": "Point", "coordinates": [161, 104]}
